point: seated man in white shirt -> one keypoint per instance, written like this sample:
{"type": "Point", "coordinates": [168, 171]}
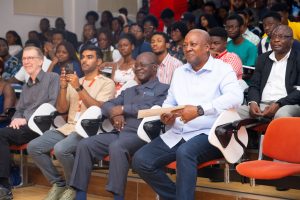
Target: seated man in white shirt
{"type": "Point", "coordinates": [22, 76]}
{"type": "Point", "coordinates": [274, 87]}
{"type": "Point", "coordinates": [206, 86]}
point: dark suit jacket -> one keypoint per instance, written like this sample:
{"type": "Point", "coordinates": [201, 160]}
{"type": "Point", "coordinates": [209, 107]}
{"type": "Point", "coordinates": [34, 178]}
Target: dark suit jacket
{"type": "Point", "coordinates": [136, 98]}
{"type": "Point", "coordinates": [261, 74]}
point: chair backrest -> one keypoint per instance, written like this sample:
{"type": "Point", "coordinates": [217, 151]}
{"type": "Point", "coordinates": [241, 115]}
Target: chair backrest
{"type": "Point", "coordinates": [282, 140]}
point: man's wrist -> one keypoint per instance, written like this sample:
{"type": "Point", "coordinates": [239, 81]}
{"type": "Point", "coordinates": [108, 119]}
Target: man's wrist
{"type": "Point", "coordinates": [200, 110]}
{"type": "Point", "coordinates": [250, 102]}
{"type": "Point", "coordinates": [80, 88]}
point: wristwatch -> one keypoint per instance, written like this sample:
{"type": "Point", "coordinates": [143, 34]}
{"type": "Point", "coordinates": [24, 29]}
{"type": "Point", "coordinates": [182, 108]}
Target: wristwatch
{"type": "Point", "coordinates": [80, 88]}
{"type": "Point", "coordinates": [200, 110]}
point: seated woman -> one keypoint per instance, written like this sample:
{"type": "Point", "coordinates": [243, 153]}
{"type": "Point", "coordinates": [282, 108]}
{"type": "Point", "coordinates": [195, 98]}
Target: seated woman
{"type": "Point", "coordinates": [7, 98]}
{"type": "Point", "coordinates": [122, 71]}
{"type": "Point", "coordinates": [110, 54]}
{"type": "Point", "coordinates": [65, 57]}
{"type": "Point", "coordinates": [14, 42]}
{"type": "Point", "coordinates": [178, 33]}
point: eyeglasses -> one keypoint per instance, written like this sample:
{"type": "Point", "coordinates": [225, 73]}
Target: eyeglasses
{"type": "Point", "coordinates": [143, 65]}
{"type": "Point", "coordinates": [29, 58]}
{"type": "Point", "coordinates": [280, 37]}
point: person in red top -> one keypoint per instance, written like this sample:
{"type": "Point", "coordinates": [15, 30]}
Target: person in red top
{"type": "Point", "coordinates": [218, 38]}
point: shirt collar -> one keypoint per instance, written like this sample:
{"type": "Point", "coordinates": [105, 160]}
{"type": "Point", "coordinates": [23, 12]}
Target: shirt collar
{"type": "Point", "coordinates": [272, 56]}
{"type": "Point", "coordinates": [221, 54]}
{"type": "Point", "coordinates": [38, 78]}
{"type": "Point", "coordinates": [163, 63]}
{"type": "Point", "coordinates": [150, 84]}
{"type": "Point", "coordinates": [207, 66]}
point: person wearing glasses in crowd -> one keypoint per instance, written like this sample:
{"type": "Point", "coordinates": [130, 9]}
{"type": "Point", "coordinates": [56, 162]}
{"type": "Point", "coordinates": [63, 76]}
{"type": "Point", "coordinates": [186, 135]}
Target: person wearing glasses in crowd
{"type": "Point", "coordinates": [41, 88]}
{"type": "Point", "coordinates": [274, 87]}
{"type": "Point", "coordinates": [150, 25]}
{"type": "Point", "coordinates": [124, 142]}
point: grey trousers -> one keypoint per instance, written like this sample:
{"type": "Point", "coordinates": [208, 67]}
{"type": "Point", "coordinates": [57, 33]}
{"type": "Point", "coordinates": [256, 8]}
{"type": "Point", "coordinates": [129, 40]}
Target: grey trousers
{"type": "Point", "coordinates": [64, 150]}
{"type": "Point", "coordinates": [284, 111]}
{"type": "Point", "coordinates": [120, 148]}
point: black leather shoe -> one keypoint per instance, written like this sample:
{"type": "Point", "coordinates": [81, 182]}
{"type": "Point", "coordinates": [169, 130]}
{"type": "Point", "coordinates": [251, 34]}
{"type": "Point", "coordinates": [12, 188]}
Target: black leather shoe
{"type": "Point", "coordinates": [5, 193]}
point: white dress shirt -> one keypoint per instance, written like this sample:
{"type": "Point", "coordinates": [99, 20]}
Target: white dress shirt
{"type": "Point", "coordinates": [215, 87]}
{"type": "Point", "coordinates": [275, 87]}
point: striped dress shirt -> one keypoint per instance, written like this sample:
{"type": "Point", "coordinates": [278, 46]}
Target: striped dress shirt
{"type": "Point", "coordinates": [166, 68]}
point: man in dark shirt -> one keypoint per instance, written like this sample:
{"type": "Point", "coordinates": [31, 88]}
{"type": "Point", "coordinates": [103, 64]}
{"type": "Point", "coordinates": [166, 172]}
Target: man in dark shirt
{"type": "Point", "coordinates": [122, 111]}
{"type": "Point", "coordinates": [41, 88]}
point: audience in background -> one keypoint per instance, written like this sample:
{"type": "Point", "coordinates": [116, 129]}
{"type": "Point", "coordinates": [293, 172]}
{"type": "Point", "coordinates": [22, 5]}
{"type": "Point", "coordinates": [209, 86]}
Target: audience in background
{"type": "Point", "coordinates": [14, 42]}
{"type": "Point", "coordinates": [88, 36]}
{"type": "Point", "coordinates": [110, 53]}
{"type": "Point", "coordinates": [178, 32]}
{"type": "Point", "coordinates": [65, 57]}
{"type": "Point", "coordinates": [166, 63]}
{"type": "Point", "coordinates": [238, 44]}
{"type": "Point", "coordinates": [11, 63]}
{"type": "Point", "coordinates": [150, 25]}
{"type": "Point", "coordinates": [91, 17]}
{"type": "Point", "coordinates": [167, 16]}
{"type": "Point", "coordinates": [7, 98]}
{"type": "Point", "coordinates": [69, 36]}
{"type": "Point", "coordinates": [140, 44]}
{"type": "Point", "coordinates": [106, 19]}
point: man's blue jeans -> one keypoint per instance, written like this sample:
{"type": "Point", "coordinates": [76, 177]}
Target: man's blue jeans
{"type": "Point", "coordinates": [149, 162]}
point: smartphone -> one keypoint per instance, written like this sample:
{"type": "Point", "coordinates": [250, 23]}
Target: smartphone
{"type": "Point", "coordinates": [69, 68]}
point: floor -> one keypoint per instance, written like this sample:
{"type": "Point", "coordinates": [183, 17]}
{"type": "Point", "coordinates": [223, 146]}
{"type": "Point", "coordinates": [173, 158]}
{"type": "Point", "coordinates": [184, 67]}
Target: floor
{"type": "Point", "coordinates": [38, 192]}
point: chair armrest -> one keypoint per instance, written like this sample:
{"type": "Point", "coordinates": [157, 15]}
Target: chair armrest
{"type": "Point", "coordinates": [153, 128]}
{"type": "Point", "coordinates": [44, 122]}
{"type": "Point", "coordinates": [91, 126]}
{"type": "Point", "coordinates": [224, 132]}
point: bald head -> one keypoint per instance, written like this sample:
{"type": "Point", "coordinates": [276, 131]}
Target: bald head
{"type": "Point", "coordinates": [203, 35]}
{"type": "Point", "coordinates": [196, 48]}
{"type": "Point", "coordinates": [149, 56]}
{"type": "Point", "coordinates": [283, 28]}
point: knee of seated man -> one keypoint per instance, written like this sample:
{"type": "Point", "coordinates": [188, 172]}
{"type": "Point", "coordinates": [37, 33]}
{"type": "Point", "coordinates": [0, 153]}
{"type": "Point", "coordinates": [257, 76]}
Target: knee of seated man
{"type": "Point", "coordinates": [32, 146]}
{"type": "Point", "coordinates": [115, 146]}
{"type": "Point", "coordinates": [59, 149]}
{"type": "Point", "coordinates": [284, 111]}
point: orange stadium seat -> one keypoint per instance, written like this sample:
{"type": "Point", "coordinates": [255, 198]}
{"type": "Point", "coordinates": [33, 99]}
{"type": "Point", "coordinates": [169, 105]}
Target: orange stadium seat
{"type": "Point", "coordinates": [281, 143]}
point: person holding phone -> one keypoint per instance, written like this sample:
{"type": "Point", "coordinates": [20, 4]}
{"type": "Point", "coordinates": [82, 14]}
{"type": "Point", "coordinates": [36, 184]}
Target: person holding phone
{"type": "Point", "coordinates": [75, 96]}
{"type": "Point", "coordinates": [65, 57]}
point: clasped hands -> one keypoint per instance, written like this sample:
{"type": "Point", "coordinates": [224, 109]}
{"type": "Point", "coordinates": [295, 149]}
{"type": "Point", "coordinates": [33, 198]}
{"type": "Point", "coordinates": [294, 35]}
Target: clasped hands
{"type": "Point", "coordinates": [269, 111]}
{"type": "Point", "coordinates": [117, 118]}
{"type": "Point", "coordinates": [186, 114]}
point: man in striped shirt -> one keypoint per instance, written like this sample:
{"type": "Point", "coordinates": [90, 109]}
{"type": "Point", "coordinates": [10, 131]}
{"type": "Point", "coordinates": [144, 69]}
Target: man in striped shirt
{"type": "Point", "coordinates": [218, 37]}
{"type": "Point", "coordinates": [168, 63]}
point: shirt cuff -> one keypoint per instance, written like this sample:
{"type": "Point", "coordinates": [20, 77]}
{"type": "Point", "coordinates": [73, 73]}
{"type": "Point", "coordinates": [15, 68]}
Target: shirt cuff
{"type": "Point", "coordinates": [208, 109]}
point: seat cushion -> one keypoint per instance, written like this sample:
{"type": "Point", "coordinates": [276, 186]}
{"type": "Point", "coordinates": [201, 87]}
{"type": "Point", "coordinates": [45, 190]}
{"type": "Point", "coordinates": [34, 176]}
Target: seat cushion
{"type": "Point", "coordinates": [263, 169]}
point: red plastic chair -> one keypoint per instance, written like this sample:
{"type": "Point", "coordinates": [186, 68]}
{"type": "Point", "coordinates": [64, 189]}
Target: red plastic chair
{"type": "Point", "coordinates": [172, 166]}
{"type": "Point", "coordinates": [23, 166]}
{"type": "Point", "coordinates": [281, 143]}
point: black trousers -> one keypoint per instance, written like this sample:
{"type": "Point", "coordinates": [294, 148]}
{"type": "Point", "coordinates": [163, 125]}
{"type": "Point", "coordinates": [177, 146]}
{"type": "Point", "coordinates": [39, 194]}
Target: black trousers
{"type": "Point", "coordinates": [10, 136]}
